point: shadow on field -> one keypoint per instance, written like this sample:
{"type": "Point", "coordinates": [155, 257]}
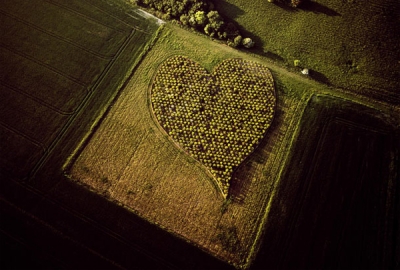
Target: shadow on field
{"type": "Point", "coordinates": [337, 203]}
{"type": "Point", "coordinates": [273, 56]}
{"type": "Point", "coordinates": [232, 12]}
{"type": "Point", "coordinates": [318, 8]}
{"type": "Point", "coordinates": [309, 6]}
{"type": "Point", "coordinates": [229, 10]}
{"type": "Point", "coordinates": [319, 77]}
{"type": "Point", "coordinates": [241, 178]}
{"type": "Point", "coordinates": [285, 6]}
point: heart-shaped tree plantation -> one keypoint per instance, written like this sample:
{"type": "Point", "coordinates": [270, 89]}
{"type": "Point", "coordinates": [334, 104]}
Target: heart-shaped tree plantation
{"type": "Point", "coordinates": [217, 118]}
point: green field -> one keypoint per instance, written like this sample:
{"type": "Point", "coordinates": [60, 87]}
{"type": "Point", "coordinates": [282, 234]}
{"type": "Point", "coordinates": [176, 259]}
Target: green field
{"type": "Point", "coordinates": [349, 44]}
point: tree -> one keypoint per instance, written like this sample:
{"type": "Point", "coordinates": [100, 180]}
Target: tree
{"type": "Point", "coordinates": [184, 19]}
{"type": "Point", "coordinates": [209, 30]}
{"type": "Point", "coordinates": [237, 41]}
{"type": "Point", "coordinates": [216, 21]}
{"type": "Point", "coordinates": [296, 3]}
{"type": "Point", "coordinates": [248, 43]}
{"type": "Point", "coordinates": [231, 30]}
{"type": "Point", "coordinates": [199, 14]}
{"type": "Point", "coordinates": [200, 17]}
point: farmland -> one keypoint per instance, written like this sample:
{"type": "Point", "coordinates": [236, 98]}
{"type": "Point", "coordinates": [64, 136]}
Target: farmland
{"type": "Point", "coordinates": [62, 68]}
{"type": "Point", "coordinates": [343, 171]}
{"type": "Point", "coordinates": [100, 161]}
{"type": "Point", "coordinates": [348, 44]}
{"type": "Point", "coordinates": [174, 190]}
{"type": "Point", "coordinates": [130, 159]}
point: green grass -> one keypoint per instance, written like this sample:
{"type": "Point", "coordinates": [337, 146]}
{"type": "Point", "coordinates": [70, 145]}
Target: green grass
{"type": "Point", "coordinates": [350, 44]}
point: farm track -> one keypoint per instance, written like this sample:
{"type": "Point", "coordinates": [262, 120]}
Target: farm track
{"type": "Point", "coordinates": [45, 65]}
{"type": "Point", "coordinates": [115, 16]}
{"type": "Point", "coordinates": [84, 15]}
{"type": "Point", "coordinates": [38, 100]}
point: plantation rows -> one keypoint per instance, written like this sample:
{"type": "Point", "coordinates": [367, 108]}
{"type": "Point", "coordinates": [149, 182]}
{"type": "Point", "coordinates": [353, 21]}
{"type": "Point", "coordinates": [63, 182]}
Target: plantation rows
{"type": "Point", "coordinates": [220, 118]}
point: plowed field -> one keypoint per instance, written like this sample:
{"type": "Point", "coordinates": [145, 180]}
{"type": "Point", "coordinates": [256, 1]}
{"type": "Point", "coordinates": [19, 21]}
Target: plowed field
{"type": "Point", "coordinates": [52, 65]}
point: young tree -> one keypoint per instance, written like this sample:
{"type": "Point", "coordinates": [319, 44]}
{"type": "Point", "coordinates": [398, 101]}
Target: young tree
{"type": "Point", "coordinates": [237, 40]}
{"type": "Point", "coordinates": [248, 43]}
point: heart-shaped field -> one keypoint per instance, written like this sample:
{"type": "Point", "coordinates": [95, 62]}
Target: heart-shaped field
{"type": "Point", "coordinates": [217, 118]}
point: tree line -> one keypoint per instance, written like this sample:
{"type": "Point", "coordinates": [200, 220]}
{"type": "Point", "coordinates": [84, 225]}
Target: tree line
{"type": "Point", "coordinates": [200, 15]}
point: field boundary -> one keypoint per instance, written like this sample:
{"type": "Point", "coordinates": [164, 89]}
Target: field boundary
{"type": "Point", "coordinates": [292, 133]}
{"type": "Point", "coordinates": [94, 126]}
{"type": "Point", "coordinates": [78, 169]}
{"type": "Point", "coordinates": [71, 120]}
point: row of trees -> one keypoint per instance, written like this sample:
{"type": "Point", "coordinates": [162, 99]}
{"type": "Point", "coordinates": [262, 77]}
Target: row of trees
{"type": "Point", "coordinates": [200, 15]}
{"type": "Point", "coordinates": [218, 118]}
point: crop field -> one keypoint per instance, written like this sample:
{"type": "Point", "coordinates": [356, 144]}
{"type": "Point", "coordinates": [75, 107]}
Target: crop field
{"type": "Point", "coordinates": [133, 144]}
{"type": "Point", "coordinates": [52, 65]}
{"type": "Point", "coordinates": [343, 170]}
{"type": "Point", "coordinates": [131, 159]}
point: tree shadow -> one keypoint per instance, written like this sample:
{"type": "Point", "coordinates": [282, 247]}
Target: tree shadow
{"type": "Point", "coordinates": [319, 77]}
{"type": "Point", "coordinates": [241, 178]}
{"type": "Point", "coordinates": [310, 6]}
{"type": "Point", "coordinates": [273, 56]}
{"type": "Point", "coordinates": [228, 10]}
{"type": "Point", "coordinates": [285, 6]}
{"type": "Point", "coordinates": [231, 12]}
{"type": "Point", "coordinates": [315, 7]}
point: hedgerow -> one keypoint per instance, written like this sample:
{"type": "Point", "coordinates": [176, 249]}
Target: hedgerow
{"type": "Point", "coordinates": [197, 14]}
